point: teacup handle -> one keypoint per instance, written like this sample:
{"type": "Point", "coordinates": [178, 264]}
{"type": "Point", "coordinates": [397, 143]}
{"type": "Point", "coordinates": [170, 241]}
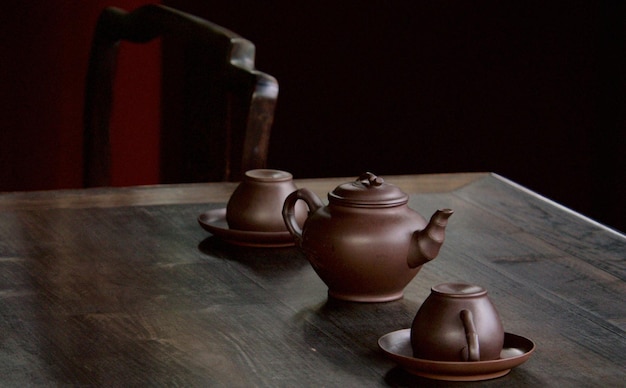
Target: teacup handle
{"type": "Point", "coordinates": [289, 210]}
{"type": "Point", "coordinates": [473, 347]}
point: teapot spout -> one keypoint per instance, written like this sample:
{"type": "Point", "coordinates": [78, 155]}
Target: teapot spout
{"type": "Point", "coordinates": [425, 244]}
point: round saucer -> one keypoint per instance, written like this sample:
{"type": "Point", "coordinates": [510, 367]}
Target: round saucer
{"type": "Point", "coordinates": [397, 345]}
{"type": "Point", "coordinates": [214, 221]}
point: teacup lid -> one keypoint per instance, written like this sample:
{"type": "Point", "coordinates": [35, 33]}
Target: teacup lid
{"type": "Point", "coordinates": [267, 175]}
{"type": "Point", "coordinates": [368, 190]}
{"type": "Point", "coordinates": [458, 290]}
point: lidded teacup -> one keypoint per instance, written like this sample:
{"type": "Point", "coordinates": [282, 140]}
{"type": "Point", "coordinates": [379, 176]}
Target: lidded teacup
{"type": "Point", "coordinates": [457, 322]}
{"type": "Point", "coordinates": [256, 204]}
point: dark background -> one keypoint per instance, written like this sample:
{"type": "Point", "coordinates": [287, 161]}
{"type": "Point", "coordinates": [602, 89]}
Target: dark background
{"type": "Point", "coordinates": [531, 90]}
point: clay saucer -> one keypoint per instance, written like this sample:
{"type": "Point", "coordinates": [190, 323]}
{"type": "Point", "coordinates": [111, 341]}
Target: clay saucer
{"type": "Point", "coordinates": [397, 346]}
{"type": "Point", "coordinates": [214, 221]}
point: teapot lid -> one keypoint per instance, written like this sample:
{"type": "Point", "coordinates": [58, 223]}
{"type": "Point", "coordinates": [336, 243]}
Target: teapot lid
{"type": "Point", "coordinates": [368, 190]}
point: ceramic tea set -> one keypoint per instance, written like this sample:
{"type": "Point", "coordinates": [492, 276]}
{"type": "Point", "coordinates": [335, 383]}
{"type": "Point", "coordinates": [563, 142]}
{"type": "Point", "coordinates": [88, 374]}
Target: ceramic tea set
{"type": "Point", "coordinates": [367, 245]}
{"type": "Point", "coordinates": [457, 335]}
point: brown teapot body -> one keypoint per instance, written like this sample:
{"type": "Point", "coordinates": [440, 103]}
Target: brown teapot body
{"type": "Point", "coordinates": [367, 244]}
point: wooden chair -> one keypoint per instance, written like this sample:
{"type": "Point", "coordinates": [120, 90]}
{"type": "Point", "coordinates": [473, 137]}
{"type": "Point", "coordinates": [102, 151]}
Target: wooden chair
{"type": "Point", "coordinates": [219, 112]}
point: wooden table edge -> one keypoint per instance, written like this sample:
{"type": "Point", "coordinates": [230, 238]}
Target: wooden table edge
{"type": "Point", "coordinates": [212, 192]}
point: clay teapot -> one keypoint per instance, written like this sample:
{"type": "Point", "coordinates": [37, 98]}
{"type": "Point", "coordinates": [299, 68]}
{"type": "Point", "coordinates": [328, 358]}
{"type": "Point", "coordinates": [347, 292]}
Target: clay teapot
{"type": "Point", "coordinates": [367, 244]}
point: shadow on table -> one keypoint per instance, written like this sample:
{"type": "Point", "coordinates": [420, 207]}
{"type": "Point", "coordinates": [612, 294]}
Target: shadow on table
{"type": "Point", "coordinates": [334, 326]}
{"type": "Point", "coordinates": [518, 377]}
{"type": "Point", "coordinates": [263, 261]}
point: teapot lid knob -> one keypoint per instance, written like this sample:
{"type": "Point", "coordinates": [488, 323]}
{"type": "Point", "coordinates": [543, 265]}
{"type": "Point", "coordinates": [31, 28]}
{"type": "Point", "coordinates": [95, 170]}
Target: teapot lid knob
{"type": "Point", "coordinates": [368, 190]}
{"type": "Point", "coordinates": [370, 179]}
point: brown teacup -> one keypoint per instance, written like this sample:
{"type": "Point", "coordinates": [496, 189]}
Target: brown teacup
{"type": "Point", "coordinates": [257, 203]}
{"type": "Point", "coordinates": [457, 322]}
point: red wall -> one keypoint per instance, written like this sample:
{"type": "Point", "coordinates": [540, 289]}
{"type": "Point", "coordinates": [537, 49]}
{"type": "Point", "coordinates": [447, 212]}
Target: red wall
{"type": "Point", "coordinates": [45, 48]}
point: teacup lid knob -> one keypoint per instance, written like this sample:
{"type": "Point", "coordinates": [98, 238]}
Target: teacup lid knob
{"type": "Point", "coordinates": [368, 190]}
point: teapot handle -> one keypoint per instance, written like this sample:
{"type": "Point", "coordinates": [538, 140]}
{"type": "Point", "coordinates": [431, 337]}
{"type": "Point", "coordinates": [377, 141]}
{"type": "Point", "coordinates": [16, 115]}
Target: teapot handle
{"type": "Point", "coordinates": [473, 348]}
{"type": "Point", "coordinates": [289, 212]}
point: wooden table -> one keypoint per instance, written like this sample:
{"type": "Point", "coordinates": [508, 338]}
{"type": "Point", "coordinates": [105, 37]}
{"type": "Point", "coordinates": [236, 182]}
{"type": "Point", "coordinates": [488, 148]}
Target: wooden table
{"type": "Point", "coordinates": [121, 287]}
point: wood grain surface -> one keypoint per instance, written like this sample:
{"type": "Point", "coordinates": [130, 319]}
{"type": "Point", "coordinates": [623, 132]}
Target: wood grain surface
{"type": "Point", "coordinates": [121, 287]}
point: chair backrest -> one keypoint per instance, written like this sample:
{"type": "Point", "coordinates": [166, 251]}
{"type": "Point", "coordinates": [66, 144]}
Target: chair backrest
{"type": "Point", "coordinates": [219, 113]}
